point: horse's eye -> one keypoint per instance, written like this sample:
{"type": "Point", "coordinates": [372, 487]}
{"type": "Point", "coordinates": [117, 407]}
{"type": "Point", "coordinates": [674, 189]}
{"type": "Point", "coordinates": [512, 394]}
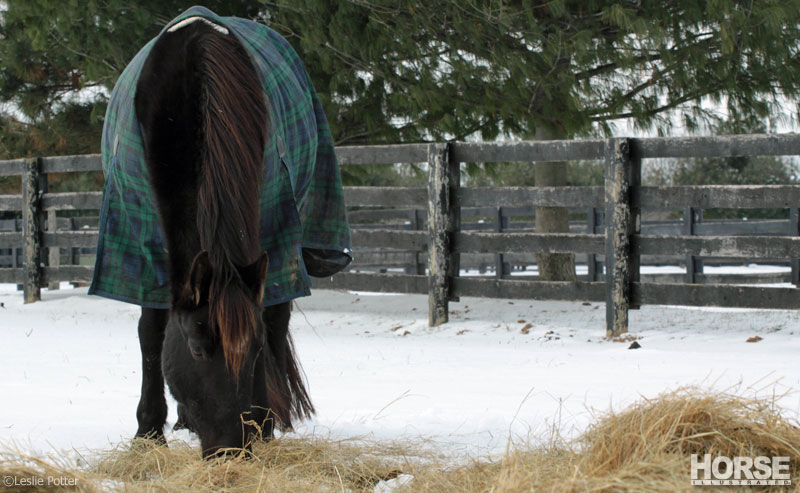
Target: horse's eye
{"type": "Point", "coordinates": [197, 353]}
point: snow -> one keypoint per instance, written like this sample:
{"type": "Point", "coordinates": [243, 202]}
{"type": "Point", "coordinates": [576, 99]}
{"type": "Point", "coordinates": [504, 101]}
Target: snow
{"type": "Point", "coordinates": [70, 367]}
{"type": "Point", "coordinates": [393, 484]}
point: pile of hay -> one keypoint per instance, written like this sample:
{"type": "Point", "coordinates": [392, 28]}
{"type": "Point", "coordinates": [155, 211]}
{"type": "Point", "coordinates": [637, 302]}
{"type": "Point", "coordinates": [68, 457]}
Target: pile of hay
{"type": "Point", "coordinates": [646, 447]}
{"type": "Point", "coordinates": [286, 464]}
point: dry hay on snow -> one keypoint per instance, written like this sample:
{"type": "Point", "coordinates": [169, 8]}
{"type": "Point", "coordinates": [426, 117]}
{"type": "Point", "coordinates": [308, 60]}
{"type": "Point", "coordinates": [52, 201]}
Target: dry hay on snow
{"type": "Point", "coordinates": [285, 464]}
{"type": "Point", "coordinates": [646, 447]}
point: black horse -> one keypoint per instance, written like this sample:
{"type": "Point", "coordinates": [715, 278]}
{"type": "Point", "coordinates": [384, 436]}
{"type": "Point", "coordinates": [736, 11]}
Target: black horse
{"type": "Point", "coordinates": [228, 361]}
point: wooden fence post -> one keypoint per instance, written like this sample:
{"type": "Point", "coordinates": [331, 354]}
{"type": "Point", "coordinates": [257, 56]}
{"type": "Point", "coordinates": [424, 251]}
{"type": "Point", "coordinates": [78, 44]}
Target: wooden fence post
{"type": "Point", "coordinates": [591, 259]}
{"type": "Point", "coordinates": [634, 165]}
{"type": "Point", "coordinates": [694, 265]}
{"type": "Point", "coordinates": [50, 220]}
{"type": "Point", "coordinates": [499, 260]}
{"type": "Point", "coordinates": [794, 230]}
{"type": "Point", "coordinates": [19, 254]}
{"type": "Point", "coordinates": [32, 230]}
{"type": "Point", "coordinates": [618, 235]}
{"type": "Point", "coordinates": [75, 253]}
{"type": "Point", "coordinates": [444, 179]}
{"type": "Point", "coordinates": [416, 222]}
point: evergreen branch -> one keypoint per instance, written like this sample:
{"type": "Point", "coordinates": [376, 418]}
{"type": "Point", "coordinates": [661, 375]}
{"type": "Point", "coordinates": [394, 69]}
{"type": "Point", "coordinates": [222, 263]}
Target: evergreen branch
{"type": "Point", "coordinates": [654, 57]}
{"type": "Point", "coordinates": [657, 75]}
{"type": "Point", "coordinates": [365, 135]}
{"type": "Point", "coordinates": [347, 59]}
{"type": "Point", "coordinates": [692, 96]}
{"type": "Point", "coordinates": [9, 118]}
{"type": "Point", "coordinates": [469, 131]}
{"type": "Point", "coordinates": [102, 60]}
{"type": "Point", "coordinates": [599, 70]}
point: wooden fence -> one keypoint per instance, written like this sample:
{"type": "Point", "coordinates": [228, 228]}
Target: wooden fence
{"type": "Point", "coordinates": [619, 240]}
{"type": "Point", "coordinates": [517, 265]}
{"type": "Point", "coordinates": [590, 266]}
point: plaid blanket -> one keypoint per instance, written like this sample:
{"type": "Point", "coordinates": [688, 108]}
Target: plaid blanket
{"type": "Point", "coordinates": [301, 202]}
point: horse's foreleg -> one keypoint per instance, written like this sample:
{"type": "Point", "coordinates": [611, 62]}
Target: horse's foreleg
{"type": "Point", "coordinates": [288, 397]}
{"type": "Point", "coordinates": [261, 412]}
{"type": "Point", "coordinates": [276, 321]}
{"type": "Point", "coordinates": [152, 410]}
{"type": "Point", "coordinates": [270, 371]}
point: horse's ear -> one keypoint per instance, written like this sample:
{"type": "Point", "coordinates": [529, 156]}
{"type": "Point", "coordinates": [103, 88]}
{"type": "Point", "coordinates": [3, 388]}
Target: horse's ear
{"type": "Point", "coordinates": [254, 275]}
{"type": "Point", "coordinates": [200, 277]}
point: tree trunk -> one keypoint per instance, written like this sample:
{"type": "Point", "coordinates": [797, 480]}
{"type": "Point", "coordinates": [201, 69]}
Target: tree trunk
{"type": "Point", "coordinates": [552, 266]}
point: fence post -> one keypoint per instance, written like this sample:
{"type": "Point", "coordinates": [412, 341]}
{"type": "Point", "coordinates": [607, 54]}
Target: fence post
{"type": "Point", "coordinates": [443, 219]}
{"type": "Point", "coordinates": [32, 230]}
{"type": "Point", "coordinates": [18, 253]}
{"type": "Point", "coordinates": [618, 235]}
{"type": "Point", "coordinates": [75, 253]}
{"type": "Point", "coordinates": [416, 222]}
{"type": "Point", "coordinates": [635, 229]}
{"type": "Point", "coordinates": [50, 220]}
{"type": "Point", "coordinates": [500, 268]}
{"type": "Point", "coordinates": [694, 265]}
{"type": "Point", "coordinates": [591, 259]}
{"type": "Point", "coordinates": [794, 230]}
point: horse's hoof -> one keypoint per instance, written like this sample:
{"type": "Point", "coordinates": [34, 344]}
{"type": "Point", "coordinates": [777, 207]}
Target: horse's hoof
{"type": "Point", "coordinates": [182, 424]}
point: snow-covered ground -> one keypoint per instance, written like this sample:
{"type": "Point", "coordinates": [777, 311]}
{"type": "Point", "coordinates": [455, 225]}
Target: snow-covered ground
{"type": "Point", "coordinates": [500, 370]}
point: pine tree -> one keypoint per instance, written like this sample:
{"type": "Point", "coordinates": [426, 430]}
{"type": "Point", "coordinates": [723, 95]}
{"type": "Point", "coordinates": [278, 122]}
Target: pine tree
{"type": "Point", "coordinates": [453, 69]}
{"type": "Point", "coordinates": [59, 55]}
{"type": "Point", "coordinates": [58, 62]}
{"type": "Point", "coordinates": [393, 71]}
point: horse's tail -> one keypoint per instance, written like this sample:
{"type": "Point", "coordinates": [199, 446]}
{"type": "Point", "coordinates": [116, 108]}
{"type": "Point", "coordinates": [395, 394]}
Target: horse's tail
{"type": "Point", "coordinates": [233, 116]}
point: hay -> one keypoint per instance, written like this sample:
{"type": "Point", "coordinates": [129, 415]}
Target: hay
{"type": "Point", "coordinates": [646, 447]}
{"type": "Point", "coordinates": [285, 464]}
{"type": "Point", "coordinates": [654, 440]}
{"type": "Point", "coordinates": [22, 473]}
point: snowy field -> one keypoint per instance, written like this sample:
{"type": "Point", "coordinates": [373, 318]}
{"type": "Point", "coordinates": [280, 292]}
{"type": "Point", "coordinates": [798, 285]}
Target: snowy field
{"type": "Point", "coordinates": [500, 370]}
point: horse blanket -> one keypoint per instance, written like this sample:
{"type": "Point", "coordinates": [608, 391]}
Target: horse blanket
{"type": "Point", "coordinates": [301, 202]}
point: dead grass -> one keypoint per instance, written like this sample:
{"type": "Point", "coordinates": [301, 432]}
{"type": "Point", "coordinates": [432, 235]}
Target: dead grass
{"type": "Point", "coordinates": [626, 338]}
{"type": "Point", "coordinates": [645, 448]}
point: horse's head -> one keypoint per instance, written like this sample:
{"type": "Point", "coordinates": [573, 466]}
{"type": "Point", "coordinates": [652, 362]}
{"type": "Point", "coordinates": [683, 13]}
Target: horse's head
{"type": "Point", "coordinates": [213, 355]}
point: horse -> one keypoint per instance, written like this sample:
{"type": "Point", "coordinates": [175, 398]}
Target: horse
{"type": "Point", "coordinates": [205, 127]}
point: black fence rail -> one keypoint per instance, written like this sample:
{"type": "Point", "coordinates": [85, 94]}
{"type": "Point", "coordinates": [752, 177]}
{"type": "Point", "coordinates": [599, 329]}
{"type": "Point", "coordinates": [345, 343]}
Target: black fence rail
{"type": "Point", "coordinates": [520, 265]}
{"type": "Point", "coordinates": [590, 266]}
{"type": "Point", "coordinates": [614, 248]}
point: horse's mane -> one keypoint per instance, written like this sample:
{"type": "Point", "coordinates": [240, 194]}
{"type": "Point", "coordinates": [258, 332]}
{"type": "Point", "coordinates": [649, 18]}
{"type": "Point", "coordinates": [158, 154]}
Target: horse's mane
{"type": "Point", "coordinates": [233, 117]}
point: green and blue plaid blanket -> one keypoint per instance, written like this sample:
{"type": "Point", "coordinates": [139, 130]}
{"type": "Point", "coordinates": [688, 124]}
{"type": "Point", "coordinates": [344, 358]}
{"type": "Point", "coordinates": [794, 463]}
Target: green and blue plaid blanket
{"type": "Point", "coordinates": [301, 202]}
